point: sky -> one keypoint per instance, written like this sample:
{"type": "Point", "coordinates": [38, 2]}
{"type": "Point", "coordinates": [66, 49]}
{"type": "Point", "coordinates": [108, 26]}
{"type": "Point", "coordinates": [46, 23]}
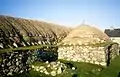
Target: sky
{"type": "Point", "coordinates": [71, 13]}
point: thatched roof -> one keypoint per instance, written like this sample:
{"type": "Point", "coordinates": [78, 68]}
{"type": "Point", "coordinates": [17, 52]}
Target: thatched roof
{"type": "Point", "coordinates": [85, 34]}
{"type": "Point", "coordinates": [21, 31]}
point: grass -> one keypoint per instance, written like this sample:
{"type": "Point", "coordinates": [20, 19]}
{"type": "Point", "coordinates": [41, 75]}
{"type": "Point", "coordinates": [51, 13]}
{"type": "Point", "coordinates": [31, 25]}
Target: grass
{"type": "Point", "coordinates": [113, 70]}
{"type": "Point", "coordinates": [86, 69]}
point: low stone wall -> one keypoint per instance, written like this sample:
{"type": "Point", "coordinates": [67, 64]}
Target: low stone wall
{"type": "Point", "coordinates": [95, 55]}
{"type": "Point", "coordinates": [114, 50]}
{"type": "Point", "coordinates": [14, 63]}
{"type": "Point", "coordinates": [19, 61]}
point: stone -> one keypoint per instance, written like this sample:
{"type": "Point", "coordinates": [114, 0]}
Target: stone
{"type": "Point", "coordinates": [8, 64]}
{"type": "Point", "coordinates": [44, 69]}
{"type": "Point", "coordinates": [37, 69]}
{"type": "Point", "coordinates": [94, 59]}
{"type": "Point", "coordinates": [46, 73]}
{"type": "Point", "coordinates": [41, 71]}
{"type": "Point", "coordinates": [87, 61]}
{"type": "Point", "coordinates": [17, 63]}
{"type": "Point", "coordinates": [14, 44]}
{"type": "Point", "coordinates": [48, 65]}
{"type": "Point", "coordinates": [17, 59]}
{"type": "Point", "coordinates": [69, 59]}
{"type": "Point", "coordinates": [58, 62]}
{"type": "Point", "coordinates": [16, 69]}
{"type": "Point", "coordinates": [2, 65]}
{"type": "Point", "coordinates": [96, 62]}
{"type": "Point", "coordinates": [53, 63]}
{"type": "Point", "coordinates": [10, 73]}
{"type": "Point", "coordinates": [33, 66]}
{"type": "Point", "coordinates": [74, 59]}
{"type": "Point", "coordinates": [11, 70]}
{"type": "Point", "coordinates": [1, 45]}
{"type": "Point", "coordinates": [53, 73]}
{"type": "Point", "coordinates": [59, 71]}
{"type": "Point", "coordinates": [21, 71]}
{"type": "Point", "coordinates": [103, 63]}
{"type": "Point", "coordinates": [73, 68]}
{"type": "Point", "coordinates": [99, 69]}
{"type": "Point", "coordinates": [32, 43]}
{"type": "Point", "coordinates": [91, 61]}
{"type": "Point", "coordinates": [46, 62]}
{"type": "Point", "coordinates": [41, 67]}
{"type": "Point", "coordinates": [28, 43]}
{"type": "Point", "coordinates": [55, 68]}
{"type": "Point", "coordinates": [23, 44]}
{"type": "Point", "coordinates": [36, 43]}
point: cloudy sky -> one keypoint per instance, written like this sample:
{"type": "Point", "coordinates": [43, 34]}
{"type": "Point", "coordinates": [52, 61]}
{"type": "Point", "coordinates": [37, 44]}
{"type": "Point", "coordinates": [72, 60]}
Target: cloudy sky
{"type": "Point", "coordinates": [100, 13]}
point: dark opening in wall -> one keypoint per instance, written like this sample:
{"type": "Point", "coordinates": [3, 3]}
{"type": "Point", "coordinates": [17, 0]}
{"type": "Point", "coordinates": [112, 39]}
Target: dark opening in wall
{"type": "Point", "coordinates": [47, 54]}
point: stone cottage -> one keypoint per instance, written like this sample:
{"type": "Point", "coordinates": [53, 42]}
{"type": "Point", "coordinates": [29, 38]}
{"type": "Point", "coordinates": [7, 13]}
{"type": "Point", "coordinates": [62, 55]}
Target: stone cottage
{"type": "Point", "coordinates": [85, 44]}
{"type": "Point", "coordinates": [114, 34]}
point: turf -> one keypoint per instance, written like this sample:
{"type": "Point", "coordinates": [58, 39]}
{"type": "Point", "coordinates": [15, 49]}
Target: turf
{"type": "Point", "coordinates": [113, 70]}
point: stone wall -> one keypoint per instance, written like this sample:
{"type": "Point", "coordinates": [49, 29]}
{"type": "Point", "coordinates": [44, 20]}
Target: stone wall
{"type": "Point", "coordinates": [115, 39]}
{"type": "Point", "coordinates": [112, 51]}
{"type": "Point", "coordinates": [95, 55]}
{"type": "Point", "coordinates": [19, 61]}
{"type": "Point", "coordinates": [14, 63]}
{"type": "Point", "coordinates": [91, 54]}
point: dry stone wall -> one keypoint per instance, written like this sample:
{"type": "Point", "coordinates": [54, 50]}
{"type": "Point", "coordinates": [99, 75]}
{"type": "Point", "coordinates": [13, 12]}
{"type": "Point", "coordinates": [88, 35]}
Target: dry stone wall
{"type": "Point", "coordinates": [114, 51]}
{"type": "Point", "coordinates": [19, 61]}
{"type": "Point", "coordinates": [99, 55]}
{"type": "Point", "coordinates": [95, 55]}
{"type": "Point", "coordinates": [14, 63]}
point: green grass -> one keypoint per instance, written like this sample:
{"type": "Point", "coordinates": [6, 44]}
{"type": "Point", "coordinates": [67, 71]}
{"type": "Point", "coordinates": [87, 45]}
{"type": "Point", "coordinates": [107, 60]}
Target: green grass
{"type": "Point", "coordinates": [86, 69]}
{"type": "Point", "coordinates": [113, 70]}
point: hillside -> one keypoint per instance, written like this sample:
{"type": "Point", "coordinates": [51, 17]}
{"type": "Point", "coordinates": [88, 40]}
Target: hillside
{"type": "Point", "coordinates": [17, 32]}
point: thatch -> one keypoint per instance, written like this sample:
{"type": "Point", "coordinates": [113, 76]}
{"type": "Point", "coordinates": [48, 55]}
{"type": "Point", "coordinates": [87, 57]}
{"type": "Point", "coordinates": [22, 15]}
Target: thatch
{"type": "Point", "coordinates": [85, 34]}
{"type": "Point", "coordinates": [21, 31]}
